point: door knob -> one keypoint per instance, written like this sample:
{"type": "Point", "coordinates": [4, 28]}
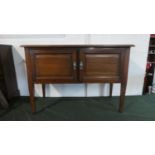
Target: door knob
{"type": "Point", "coordinates": [74, 65]}
{"type": "Point", "coordinates": [81, 65]}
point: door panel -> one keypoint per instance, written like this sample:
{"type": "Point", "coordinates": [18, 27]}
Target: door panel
{"type": "Point", "coordinates": [100, 66]}
{"type": "Point", "coordinates": [54, 66]}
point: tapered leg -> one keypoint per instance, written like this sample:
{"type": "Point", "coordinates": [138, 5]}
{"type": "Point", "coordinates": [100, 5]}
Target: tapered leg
{"type": "Point", "coordinates": [111, 89]}
{"type": "Point", "coordinates": [32, 101]}
{"type": "Point", "coordinates": [43, 90]}
{"type": "Point", "coordinates": [30, 79]}
{"type": "Point", "coordinates": [122, 97]}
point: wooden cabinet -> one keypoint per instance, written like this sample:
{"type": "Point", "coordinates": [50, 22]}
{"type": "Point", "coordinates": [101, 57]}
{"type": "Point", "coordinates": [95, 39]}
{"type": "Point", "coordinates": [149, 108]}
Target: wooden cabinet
{"type": "Point", "coordinates": [77, 64]}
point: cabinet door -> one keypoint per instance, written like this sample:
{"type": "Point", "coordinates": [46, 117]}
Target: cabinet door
{"type": "Point", "coordinates": [54, 65]}
{"type": "Point", "coordinates": [100, 65]}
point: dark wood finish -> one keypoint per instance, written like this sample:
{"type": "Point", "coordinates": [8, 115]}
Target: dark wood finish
{"type": "Point", "coordinates": [124, 77]}
{"type": "Point", "coordinates": [8, 82]}
{"type": "Point", "coordinates": [77, 64]}
{"type": "Point", "coordinates": [30, 75]}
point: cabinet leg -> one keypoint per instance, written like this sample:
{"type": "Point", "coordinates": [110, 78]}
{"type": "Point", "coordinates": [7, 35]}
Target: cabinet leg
{"type": "Point", "coordinates": [122, 97]}
{"type": "Point", "coordinates": [43, 90]}
{"type": "Point", "coordinates": [32, 101]}
{"type": "Point", "coordinates": [111, 89]}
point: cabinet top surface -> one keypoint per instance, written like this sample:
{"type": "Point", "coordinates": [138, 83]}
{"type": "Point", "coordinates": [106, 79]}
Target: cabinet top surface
{"type": "Point", "coordinates": [83, 46]}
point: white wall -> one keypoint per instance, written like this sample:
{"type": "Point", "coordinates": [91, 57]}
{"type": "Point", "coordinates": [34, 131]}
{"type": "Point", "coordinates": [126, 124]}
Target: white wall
{"type": "Point", "coordinates": [136, 67]}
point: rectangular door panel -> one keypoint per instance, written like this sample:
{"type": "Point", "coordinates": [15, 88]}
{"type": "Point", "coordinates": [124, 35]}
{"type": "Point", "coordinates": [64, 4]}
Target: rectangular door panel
{"type": "Point", "coordinates": [100, 66]}
{"type": "Point", "coordinates": [52, 66]}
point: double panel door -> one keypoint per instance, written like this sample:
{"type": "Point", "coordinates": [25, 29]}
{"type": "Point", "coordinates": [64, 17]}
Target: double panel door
{"type": "Point", "coordinates": [76, 65]}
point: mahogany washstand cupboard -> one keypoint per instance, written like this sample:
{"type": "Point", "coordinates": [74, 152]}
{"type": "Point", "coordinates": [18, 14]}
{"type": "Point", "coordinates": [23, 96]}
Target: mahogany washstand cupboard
{"type": "Point", "coordinates": [77, 64]}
